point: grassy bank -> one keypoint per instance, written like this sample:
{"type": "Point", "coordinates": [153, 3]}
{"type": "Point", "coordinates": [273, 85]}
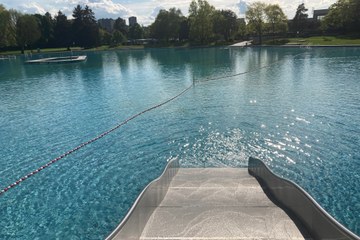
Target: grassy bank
{"type": "Point", "coordinates": [324, 40]}
{"type": "Point", "coordinates": [60, 50]}
{"type": "Point", "coordinates": [311, 41]}
{"type": "Point", "coordinates": [45, 50]}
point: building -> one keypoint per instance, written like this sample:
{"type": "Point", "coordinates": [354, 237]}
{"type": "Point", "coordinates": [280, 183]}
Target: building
{"type": "Point", "coordinates": [320, 14]}
{"type": "Point", "coordinates": [107, 24]}
{"type": "Point", "coordinates": [132, 21]}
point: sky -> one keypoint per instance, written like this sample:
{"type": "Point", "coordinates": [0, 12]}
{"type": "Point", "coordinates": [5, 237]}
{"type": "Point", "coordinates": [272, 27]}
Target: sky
{"type": "Point", "coordinates": [146, 10]}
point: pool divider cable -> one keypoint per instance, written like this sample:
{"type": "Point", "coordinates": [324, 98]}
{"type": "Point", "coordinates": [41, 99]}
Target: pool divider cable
{"type": "Point", "coordinates": [90, 141]}
{"type": "Point", "coordinates": [249, 71]}
{"type": "Point", "coordinates": [125, 122]}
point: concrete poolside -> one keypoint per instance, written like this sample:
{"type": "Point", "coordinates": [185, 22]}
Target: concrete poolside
{"type": "Point", "coordinates": [221, 203]}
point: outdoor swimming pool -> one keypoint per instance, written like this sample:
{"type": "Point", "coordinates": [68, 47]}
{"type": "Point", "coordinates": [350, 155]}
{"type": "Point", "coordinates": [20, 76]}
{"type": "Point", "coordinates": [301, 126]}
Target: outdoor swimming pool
{"type": "Point", "coordinates": [297, 109]}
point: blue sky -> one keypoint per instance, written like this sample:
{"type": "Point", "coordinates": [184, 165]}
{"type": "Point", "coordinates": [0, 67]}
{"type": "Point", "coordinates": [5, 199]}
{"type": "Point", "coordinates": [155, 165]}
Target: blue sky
{"type": "Point", "coordinates": [146, 10]}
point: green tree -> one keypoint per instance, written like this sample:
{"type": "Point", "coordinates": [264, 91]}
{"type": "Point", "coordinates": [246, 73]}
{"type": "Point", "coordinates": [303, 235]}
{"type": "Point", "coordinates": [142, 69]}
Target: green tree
{"type": "Point", "coordinates": [276, 19]}
{"type": "Point", "coordinates": [105, 37]}
{"type": "Point", "coordinates": [120, 25]}
{"type": "Point", "coordinates": [4, 26]}
{"type": "Point", "coordinates": [146, 31]}
{"type": "Point", "coordinates": [201, 21]}
{"type": "Point", "coordinates": [12, 34]}
{"type": "Point", "coordinates": [85, 27]}
{"type": "Point", "coordinates": [158, 29]}
{"type": "Point", "coordinates": [136, 32]}
{"type": "Point", "coordinates": [241, 29]}
{"type": "Point", "coordinates": [184, 29]}
{"type": "Point", "coordinates": [91, 31]}
{"type": "Point", "coordinates": [218, 25]}
{"type": "Point", "coordinates": [167, 24]}
{"type": "Point", "coordinates": [255, 15]}
{"type": "Point", "coordinates": [8, 20]}
{"type": "Point", "coordinates": [78, 26]}
{"type": "Point", "coordinates": [27, 30]}
{"type": "Point", "coordinates": [343, 16]}
{"type": "Point", "coordinates": [230, 24]}
{"type": "Point", "coordinates": [46, 26]}
{"type": "Point", "coordinates": [225, 23]}
{"type": "Point", "coordinates": [300, 19]}
{"type": "Point", "coordinates": [118, 38]}
{"type": "Point", "coordinates": [62, 30]}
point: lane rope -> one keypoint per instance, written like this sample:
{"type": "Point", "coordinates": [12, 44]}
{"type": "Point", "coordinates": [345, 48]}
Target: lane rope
{"type": "Point", "coordinates": [14, 184]}
{"type": "Point", "coordinates": [249, 71]}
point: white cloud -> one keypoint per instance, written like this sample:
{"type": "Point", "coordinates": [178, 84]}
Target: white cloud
{"type": "Point", "coordinates": [289, 7]}
{"type": "Point", "coordinates": [156, 11]}
{"type": "Point", "coordinates": [182, 4]}
{"type": "Point", "coordinates": [108, 6]}
{"type": "Point", "coordinates": [146, 10]}
{"type": "Point", "coordinates": [101, 8]}
{"type": "Point", "coordinates": [32, 7]}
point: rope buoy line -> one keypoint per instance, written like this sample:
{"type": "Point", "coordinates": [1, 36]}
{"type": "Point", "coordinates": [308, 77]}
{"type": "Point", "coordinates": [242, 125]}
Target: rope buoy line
{"type": "Point", "coordinates": [249, 71]}
{"type": "Point", "coordinates": [125, 122]}
{"type": "Point", "coordinates": [90, 141]}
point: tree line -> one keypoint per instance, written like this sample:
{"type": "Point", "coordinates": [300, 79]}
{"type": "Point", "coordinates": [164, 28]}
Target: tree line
{"type": "Point", "coordinates": [44, 31]}
{"type": "Point", "coordinates": [25, 30]}
{"type": "Point", "coordinates": [204, 25]}
{"type": "Point", "coordinates": [343, 17]}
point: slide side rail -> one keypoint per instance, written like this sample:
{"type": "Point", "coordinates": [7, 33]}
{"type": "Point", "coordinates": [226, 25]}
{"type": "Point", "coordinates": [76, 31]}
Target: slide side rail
{"type": "Point", "coordinates": [298, 202]}
{"type": "Point", "coordinates": [134, 222]}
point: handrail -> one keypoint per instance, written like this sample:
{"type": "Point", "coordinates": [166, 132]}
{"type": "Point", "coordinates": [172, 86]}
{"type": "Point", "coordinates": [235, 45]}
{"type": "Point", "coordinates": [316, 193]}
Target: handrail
{"type": "Point", "coordinates": [135, 220]}
{"type": "Point", "coordinates": [297, 201]}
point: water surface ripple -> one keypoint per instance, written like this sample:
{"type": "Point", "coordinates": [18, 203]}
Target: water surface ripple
{"type": "Point", "coordinates": [300, 114]}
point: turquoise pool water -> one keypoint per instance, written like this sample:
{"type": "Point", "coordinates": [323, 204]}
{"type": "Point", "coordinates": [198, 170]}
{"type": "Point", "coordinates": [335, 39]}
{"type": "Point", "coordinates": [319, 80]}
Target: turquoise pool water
{"type": "Point", "coordinates": [297, 109]}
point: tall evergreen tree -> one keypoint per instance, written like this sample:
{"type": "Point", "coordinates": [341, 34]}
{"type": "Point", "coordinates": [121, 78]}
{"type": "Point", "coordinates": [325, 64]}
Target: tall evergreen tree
{"type": "Point", "coordinates": [300, 18]}
{"type": "Point", "coordinates": [78, 26]}
{"type": "Point", "coordinates": [62, 31]}
{"type": "Point", "coordinates": [91, 33]}
{"type": "Point", "coordinates": [85, 28]}
{"type": "Point", "coordinates": [46, 26]}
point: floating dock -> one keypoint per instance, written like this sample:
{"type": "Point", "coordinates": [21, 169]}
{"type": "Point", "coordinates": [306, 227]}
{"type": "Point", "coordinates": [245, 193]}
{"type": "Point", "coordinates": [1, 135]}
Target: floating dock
{"type": "Point", "coordinates": [7, 57]}
{"type": "Point", "coordinates": [68, 59]}
{"type": "Point", "coordinates": [226, 203]}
